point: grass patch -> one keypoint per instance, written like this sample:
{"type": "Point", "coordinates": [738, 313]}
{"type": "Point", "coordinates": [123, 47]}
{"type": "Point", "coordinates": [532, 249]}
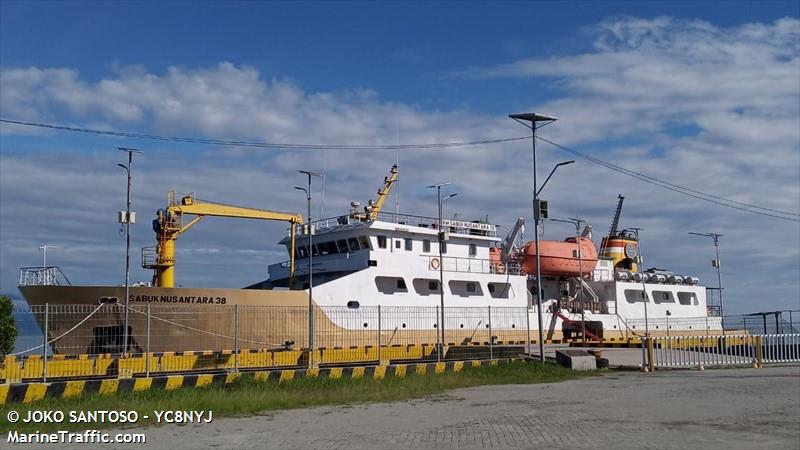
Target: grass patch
{"type": "Point", "coordinates": [247, 397]}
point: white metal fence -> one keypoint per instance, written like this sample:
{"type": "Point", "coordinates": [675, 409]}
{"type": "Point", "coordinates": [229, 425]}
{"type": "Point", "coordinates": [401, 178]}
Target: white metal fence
{"type": "Point", "coordinates": [719, 350]}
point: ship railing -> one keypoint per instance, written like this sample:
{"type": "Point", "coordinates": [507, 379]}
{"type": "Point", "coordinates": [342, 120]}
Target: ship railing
{"type": "Point", "coordinates": [149, 257]}
{"type": "Point", "coordinates": [410, 220]}
{"type": "Point", "coordinates": [462, 264]}
{"type": "Point", "coordinates": [43, 276]}
{"type": "Point", "coordinates": [675, 325]}
{"type": "Point", "coordinates": [720, 350]}
{"type": "Point", "coordinates": [766, 322]}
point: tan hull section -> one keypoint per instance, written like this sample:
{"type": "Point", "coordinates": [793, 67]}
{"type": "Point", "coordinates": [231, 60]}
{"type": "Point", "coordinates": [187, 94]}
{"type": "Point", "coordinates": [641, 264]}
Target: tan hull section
{"type": "Point", "coordinates": [182, 320]}
{"type": "Point", "coordinates": [199, 297]}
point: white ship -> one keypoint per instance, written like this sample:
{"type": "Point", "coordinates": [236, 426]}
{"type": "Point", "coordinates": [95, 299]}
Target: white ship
{"type": "Point", "coordinates": [369, 258]}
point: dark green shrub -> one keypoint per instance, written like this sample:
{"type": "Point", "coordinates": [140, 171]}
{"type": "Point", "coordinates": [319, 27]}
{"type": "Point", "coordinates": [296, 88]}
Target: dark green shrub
{"type": "Point", "coordinates": [8, 328]}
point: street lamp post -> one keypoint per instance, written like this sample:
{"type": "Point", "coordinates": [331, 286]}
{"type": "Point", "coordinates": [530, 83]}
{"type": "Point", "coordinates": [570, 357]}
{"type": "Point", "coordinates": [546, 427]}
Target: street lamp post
{"type": "Point", "coordinates": [310, 233]}
{"type": "Point", "coordinates": [641, 273]}
{"type": "Point", "coordinates": [441, 239]}
{"type": "Point", "coordinates": [536, 121]}
{"type": "Point", "coordinates": [715, 237]}
{"type": "Point", "coordinates": [127, 220]}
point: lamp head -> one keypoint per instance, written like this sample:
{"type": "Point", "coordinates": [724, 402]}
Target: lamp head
{"type": "Point", "coordinates": [310, 173]}
{"type": "Point", "coordinates": [533, 117]}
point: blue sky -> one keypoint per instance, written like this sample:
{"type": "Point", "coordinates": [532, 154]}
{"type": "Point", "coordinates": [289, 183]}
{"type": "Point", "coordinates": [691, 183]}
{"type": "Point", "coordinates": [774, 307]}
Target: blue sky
{"type": "Point", "coordinates": [702, 94]}
{"type": "Point", "coordinates": [404, 50]}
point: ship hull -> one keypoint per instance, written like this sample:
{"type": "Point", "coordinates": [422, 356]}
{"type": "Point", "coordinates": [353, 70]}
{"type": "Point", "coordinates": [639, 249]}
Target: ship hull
{"type": "Point", "coordinates": [189, 319]}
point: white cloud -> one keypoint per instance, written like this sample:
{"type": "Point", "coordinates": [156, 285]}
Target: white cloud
{"type": "Point", "coordinates": [715, 109]}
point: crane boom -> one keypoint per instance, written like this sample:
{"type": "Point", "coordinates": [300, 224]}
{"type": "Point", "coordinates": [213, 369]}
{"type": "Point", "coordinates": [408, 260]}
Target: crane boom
{"type": "Point", "coordinates": [383, 193]}
{"type": "Point", "coordinates": [168, 226]}
{"type": "Point", "coordinates": [190, 205]}
{"type": "Point", "coordinates": [615, 221]}
{"type": "Point", "coordinates": [374, 208]}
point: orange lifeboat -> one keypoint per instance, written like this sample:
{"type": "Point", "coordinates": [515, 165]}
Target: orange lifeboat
{"type": "Point", "coordinates": [560, 258]}
{"type": "Point", "coordinates": [496, 260]}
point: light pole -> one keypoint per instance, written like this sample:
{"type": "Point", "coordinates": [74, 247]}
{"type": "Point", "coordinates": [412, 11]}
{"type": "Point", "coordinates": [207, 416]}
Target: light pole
{"type": "Point", "coordinates": [716, 264]}
{"type": "Point", "coordinates": [48, 277]}
{"type": "Point", "coordinates": [128, 218]}
{"type": "Point", "coordinates": [441, 238]}
{"type": "Point", "coordinates": [536, 121]}
{"type": "Point", "coordinates": [310, 265]}
{"type": "Point", "coordinates": [641, 273]}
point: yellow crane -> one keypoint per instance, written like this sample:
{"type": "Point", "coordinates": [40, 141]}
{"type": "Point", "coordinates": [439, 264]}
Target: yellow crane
{"type": "Point", "coordinates": [169, 225]}
{"type": "Point", "coordinates": [374, 207]}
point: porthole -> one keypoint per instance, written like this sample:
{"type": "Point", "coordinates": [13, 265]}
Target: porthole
{"type": "Point", "coordinates": [404, 325]}
{"type": "Point", "coordinates": [352, 304]}
{"type": "Point", "coordinates": [513, 326]}
{"type": "Point", "coordinates": [462, 325]}
{"type": "Point", "coordinates": [365, 324]}
{"type": "Point", "coordinates": [436, 325]}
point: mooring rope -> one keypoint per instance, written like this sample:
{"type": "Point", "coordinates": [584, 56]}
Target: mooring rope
{"type": "Point", "coordinates": [62, 335]}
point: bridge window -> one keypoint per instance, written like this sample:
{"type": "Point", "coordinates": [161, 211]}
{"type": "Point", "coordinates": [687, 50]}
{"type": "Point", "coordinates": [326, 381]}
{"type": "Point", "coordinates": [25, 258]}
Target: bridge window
{"type": "Point", "coordinates": [315, 250]}
{"type": "Point", "coordinates": [302, 252]}
{"type": "Point", "coordinates": [426, 245]}
{"type": "Point", "coordinates": [341, 244]}
{"type": "Point", "coordinates": [381, 241]}
{"type": "Point", "coordinates": [364, 242]}
{"type": "Point", "coordinates": [687, 298]}
{"type": "Point", "coordinates": [397, 243]}
{"type": "Point", "coordinates": [473, 249]}
{"type": "Point", "coordinates": [443, 245]}
{"type": "Point", "coordinates": [409, 244]}
{"type": "Point", "coordinates": [327, 248]}
{"type": "Point", "coordinates": [353, 243]}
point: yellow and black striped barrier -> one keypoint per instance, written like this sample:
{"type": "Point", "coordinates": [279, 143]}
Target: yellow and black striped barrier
{"type": "Point", "coordinates": [62, 367]}
{"type": "Point", "coordinates": [31, 392]}
{"type": "Point", "coordinates": [17, 369]}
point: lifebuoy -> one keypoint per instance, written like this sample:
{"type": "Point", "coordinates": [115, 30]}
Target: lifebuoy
{"type": "Point", "coordinates": [435, 263]}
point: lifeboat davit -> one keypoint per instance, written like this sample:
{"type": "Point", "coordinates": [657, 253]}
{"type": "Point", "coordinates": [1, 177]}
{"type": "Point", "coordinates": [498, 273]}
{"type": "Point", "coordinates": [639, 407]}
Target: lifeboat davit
{"type": "Point", "coordinates": [560, 257]}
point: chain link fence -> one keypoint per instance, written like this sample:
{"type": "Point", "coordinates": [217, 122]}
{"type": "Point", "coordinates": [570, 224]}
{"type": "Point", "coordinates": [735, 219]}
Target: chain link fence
{"type": "Point", "coordinates": [79, 341]}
